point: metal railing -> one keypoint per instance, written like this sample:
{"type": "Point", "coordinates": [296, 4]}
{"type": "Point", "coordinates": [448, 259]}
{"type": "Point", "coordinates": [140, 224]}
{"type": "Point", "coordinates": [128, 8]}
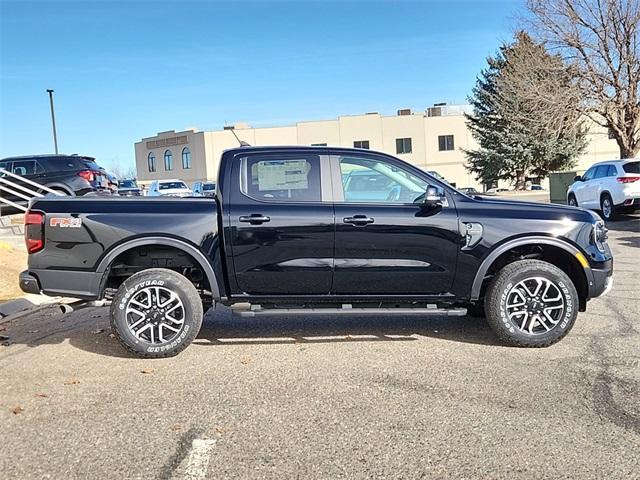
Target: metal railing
{"type": "Point", "coordinates": [12, 187]}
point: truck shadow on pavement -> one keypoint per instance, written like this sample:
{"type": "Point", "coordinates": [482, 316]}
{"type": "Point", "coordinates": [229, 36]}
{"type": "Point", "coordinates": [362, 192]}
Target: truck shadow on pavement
{"type": "Point", "coordinates": [89, 330]}
{"type": "Point", "coordinates": [222, 327]}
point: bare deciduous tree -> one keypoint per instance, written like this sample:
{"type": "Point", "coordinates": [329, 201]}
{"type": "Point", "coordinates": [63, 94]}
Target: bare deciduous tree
{"type": "Point", "coordinates": [600, 39]}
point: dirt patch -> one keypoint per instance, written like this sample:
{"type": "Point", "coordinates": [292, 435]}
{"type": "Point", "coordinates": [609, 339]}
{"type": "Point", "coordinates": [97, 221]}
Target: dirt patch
{"type": "Point", "coordinates": [12, 262]}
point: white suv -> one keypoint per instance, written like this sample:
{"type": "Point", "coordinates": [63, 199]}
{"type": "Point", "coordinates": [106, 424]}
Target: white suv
{"type": "Point", "coordinates": [169, 188]}
{"type": "Point", "coordinates": [611, 187]}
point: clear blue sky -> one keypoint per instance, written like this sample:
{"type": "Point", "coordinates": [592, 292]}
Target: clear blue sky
{"type": "Point", "coordinates": [125, 70]}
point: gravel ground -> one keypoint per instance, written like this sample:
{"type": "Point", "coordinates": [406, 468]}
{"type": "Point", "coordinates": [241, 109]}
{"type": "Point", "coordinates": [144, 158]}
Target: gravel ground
{"type": "Point", "coordinates": [12, 262]}
{"type": "Point", "coordinates": [357, 397]}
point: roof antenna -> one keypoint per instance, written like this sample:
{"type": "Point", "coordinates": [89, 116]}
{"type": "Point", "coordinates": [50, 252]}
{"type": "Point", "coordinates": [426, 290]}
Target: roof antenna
{"type": "Point", "coordinates": [241, 142]}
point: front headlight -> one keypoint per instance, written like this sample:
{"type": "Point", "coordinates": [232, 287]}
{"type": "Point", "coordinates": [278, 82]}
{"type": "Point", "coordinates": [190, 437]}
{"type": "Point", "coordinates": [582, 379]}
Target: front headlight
{"type": "Point", "coordinates": [600, 235]}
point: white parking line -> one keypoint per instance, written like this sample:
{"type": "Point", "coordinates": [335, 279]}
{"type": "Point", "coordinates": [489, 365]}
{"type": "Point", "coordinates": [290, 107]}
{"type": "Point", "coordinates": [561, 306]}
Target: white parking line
{"type": "Point", "coordinates": [194, 466]}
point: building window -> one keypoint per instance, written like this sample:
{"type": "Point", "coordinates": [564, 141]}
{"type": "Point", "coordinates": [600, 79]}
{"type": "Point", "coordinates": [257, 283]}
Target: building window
{"type": "Point", "coordinates": [445, 142]}
{"type": "Point", "coordinates": [186, 158]}
{"type": "Point", "coordinates": [168, 160]}
{"type": "Point", "coordinates": [151, 162]}
{"type": "Point", "coordinates": [361, 144]}
{"type": "Point", "coordinates": [403, 145]}
{"type": "Point", "coordinates": [318, 144]}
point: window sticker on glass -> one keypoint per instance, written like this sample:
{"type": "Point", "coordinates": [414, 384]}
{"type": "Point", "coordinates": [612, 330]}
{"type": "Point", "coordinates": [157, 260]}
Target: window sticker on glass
{"type": "Point", "coordinates": [283, 175]}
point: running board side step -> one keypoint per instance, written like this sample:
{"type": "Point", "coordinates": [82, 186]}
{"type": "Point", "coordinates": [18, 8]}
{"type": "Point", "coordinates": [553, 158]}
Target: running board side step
{"type": "Point", "coordinates": [447, 312]}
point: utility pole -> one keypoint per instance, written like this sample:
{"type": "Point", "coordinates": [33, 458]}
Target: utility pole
{"type": "Point", "coordinates": [53, 120]}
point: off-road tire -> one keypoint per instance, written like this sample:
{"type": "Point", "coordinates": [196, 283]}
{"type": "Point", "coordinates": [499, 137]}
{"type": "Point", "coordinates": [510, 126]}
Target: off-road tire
{"type": "Point", "coordinates": [169, 280]}
{"type": "Point", "coordinates": [496, 303]}
{"type": "Point", "coordinates": [612, 215]}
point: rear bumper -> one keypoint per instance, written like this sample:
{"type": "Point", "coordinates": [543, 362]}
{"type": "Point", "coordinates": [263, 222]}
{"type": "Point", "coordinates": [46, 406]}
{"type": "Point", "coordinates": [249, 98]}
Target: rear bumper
{"type": "Point", "coordinates": [85, 285]}
{"type": "Point", "coordinates": [29, 283]}
{"type": "Point", "coordinates": [629, 204]}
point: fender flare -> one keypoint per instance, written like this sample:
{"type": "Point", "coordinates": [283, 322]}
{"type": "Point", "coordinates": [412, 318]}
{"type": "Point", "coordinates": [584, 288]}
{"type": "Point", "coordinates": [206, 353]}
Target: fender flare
{"type": "Point", "coordinates": [494, 254]}
{"type": "Point", "coordinates": [59, 186]}
{"type": "Point", "coordinates": [199, 257]}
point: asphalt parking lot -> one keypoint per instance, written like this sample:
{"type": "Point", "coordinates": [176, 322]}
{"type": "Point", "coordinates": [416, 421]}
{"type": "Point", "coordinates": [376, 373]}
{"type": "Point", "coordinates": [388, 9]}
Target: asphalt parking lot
{"type": "Point", "coordinates": [360, 397]}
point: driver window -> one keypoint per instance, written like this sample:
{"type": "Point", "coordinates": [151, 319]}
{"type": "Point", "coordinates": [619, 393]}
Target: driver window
{"type": "Point", "coordinates": [367, 180]}
{"type": "Point", "coordinates": [589, 174]}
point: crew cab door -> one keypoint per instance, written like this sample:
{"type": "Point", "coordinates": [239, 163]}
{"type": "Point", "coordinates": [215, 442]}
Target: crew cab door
{"type": "Point", "coordinates": [282, 223]}
{"type": "Point", "coordinates": [387, 241]}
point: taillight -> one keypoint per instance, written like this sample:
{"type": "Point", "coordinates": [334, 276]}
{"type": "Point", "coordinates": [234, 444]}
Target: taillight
{"type": "Point", "coordinates": [628, 179]}
{"type": "Point", "coordinates": [33, 231]}
{"type": "Point", "coordinates": [87, 175]}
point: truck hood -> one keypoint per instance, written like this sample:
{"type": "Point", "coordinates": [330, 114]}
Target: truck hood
{"type": "Point", "coordinates": [574, 213]}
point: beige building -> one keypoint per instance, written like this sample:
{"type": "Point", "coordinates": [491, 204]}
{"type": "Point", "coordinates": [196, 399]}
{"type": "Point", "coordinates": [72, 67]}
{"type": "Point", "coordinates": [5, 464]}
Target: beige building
{"type": "Point", "coordinates": [434, 139]}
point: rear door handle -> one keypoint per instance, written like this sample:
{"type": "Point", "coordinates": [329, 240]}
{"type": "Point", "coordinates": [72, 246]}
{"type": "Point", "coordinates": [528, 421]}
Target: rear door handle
{"type": "Point", "coordinates": [254, 219]}
{"type": "Point", "coordinates": [358, 220]}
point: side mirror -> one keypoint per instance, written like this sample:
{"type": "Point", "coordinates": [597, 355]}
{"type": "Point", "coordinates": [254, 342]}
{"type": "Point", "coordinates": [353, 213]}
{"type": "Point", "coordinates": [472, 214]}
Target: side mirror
{"type": "Point", "coordinates": [577, 178]}
{"type": "Point", "coordinates": [434, 196]}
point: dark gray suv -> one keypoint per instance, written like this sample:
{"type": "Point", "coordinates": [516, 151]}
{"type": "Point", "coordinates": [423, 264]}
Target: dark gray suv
{"type": "Point", "coordinates": [73, 175]}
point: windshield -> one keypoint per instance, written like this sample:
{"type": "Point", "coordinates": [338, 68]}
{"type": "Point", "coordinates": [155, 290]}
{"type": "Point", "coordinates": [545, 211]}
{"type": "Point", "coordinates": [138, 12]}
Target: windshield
{"type": "Point", "coordinates": [171, 185]}
{"type": "Point", "coordinates": [128, 184]}
{"type": "Point", "coordinates": [209, 186]}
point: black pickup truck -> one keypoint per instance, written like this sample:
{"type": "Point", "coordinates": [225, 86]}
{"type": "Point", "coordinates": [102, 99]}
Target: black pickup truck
{"type": "Point", "coordinates": [319, 230]}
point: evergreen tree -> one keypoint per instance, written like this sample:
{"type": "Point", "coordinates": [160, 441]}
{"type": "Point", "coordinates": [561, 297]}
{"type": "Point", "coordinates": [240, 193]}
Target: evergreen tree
{"type": "Point", "coordinates": [526, 116]}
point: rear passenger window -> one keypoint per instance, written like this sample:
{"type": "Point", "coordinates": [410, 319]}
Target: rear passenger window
{"type": "Point", "coordinates": [25, 167]}
{"type": "Point", "coordinates": [612, 172]}
{"type": "Point", "coordinates": [282, 178]}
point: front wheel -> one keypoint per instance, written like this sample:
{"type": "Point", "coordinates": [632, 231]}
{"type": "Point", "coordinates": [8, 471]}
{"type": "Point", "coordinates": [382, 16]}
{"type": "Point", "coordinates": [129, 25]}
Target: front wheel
{"type": "Point", "coordinates": [572, 201]}
{"type": "Point", "coordinates": [531, 303]}
{"type": "Point", "coordinates": [156, 313]}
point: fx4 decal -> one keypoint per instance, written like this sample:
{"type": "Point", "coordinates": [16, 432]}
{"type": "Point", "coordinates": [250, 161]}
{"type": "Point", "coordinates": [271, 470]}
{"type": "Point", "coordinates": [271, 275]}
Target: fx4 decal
{"type": "Point", "coordinates": [65, 222]}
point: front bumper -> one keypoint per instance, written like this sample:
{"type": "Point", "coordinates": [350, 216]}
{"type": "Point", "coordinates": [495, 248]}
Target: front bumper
{"type": "Point", "coordinates": [601, 280]}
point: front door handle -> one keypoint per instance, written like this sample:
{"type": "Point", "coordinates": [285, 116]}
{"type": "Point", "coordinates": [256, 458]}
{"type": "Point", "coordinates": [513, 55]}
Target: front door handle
{"type": "Point", "coordinates": [254, 219]}
{"type": "Point", "coordinates": [358, 220]}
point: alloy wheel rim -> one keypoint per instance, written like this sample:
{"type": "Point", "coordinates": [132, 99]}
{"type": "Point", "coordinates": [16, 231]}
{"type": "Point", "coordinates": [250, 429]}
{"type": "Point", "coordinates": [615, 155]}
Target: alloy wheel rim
{"type": "Point", "coordinates": [155, 315]}
{"type": "Point", "coordinates": [606, 207]}
{"type": "Point", "coordinates": [535, 305]}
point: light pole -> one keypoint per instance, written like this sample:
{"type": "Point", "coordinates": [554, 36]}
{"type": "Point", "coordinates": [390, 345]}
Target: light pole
{"type": "Point", "coordinates": [53, 120]}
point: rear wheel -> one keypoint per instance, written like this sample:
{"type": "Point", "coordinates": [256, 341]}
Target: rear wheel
{"type": "Point", "coordinates": [531, 303]}
{"type": "Point", "coordinates": [156, 313]}
{"type": "Point", "coordinates": [607, 207]}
